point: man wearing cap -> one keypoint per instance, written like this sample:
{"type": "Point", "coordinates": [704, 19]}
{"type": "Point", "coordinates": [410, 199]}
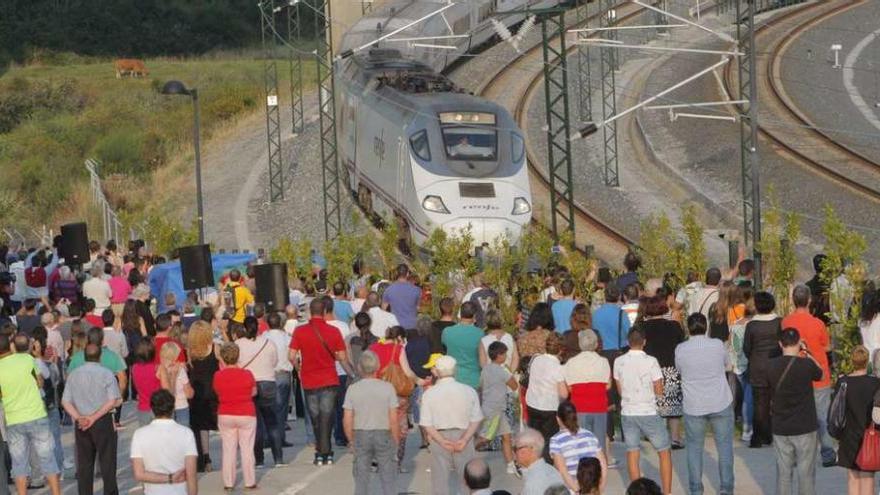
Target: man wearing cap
{"type": "Point", "coordinates": [450, 415]}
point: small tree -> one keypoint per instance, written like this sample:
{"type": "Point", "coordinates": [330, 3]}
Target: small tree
{"type": "Point", "coordinates": [451, 261]}
{"type": "Point", "coordinates": [657, 246]}
{"type": "Point", "coordinates": [166, 235]}
{"type": "Point", "coordinates": [844, 270]}
{"type": "Point", "coordinates": [297, 255]}
{"type": "Point", "coordinates": [780, 232]}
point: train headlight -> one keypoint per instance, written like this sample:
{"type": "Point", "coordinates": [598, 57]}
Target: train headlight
{"type": "Point", "coordinates": [521, 206]}
{"type": "Point", "coordinates": [435, 204]}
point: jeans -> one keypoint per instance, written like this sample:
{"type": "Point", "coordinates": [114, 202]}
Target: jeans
{"type": "Point", "coordinates": [796, 458]}
{"type": "Point", "coordinates": [748, 403]}
{"type": "Point", "coordinates": [4, 469]}
{"type": "Point", "coordinates": [652, 427]}
{"type": "Point", "coordinates": [695, 430]}
{"type": "Point", "coordinates": [267, 422]}
{"type": "Point", "coordinates": [35, 435]}
{"type": "Point", "coordinates": [826, 444]}
{"type": "Point", "coordinates": [321, 404]}
{"type": "Point", "coordinates": [338, 433]}
{"type": "Point", "coordinates": [597, 424]}
{"type": "Point", "coordinates": [181, 416]}
{"type": "Point", "coordinates": [282, 397]}
{"type": "Point", "coordinates": [374, 446]}
{"type": "Point", "coordinates": [55, 427]}
{"type": "Point", "coordinates": [100, 441]}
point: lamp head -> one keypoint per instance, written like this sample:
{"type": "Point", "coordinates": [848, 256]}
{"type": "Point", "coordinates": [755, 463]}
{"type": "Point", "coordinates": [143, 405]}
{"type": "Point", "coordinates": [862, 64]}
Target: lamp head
{"type": "Point", "coordinates": [174, 88]}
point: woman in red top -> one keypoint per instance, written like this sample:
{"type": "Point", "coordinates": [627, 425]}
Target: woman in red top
{"type": "Point", "coordinates": [144, 379]}
{"type": "Point", "coordinates": [236, 417]}
{"type": "Point", "coordinates": [393, 349]}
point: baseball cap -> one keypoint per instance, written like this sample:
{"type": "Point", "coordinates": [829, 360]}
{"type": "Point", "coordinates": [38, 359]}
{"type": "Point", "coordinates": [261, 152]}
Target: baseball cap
{"type": "Point", "coordinates": [445, 364]}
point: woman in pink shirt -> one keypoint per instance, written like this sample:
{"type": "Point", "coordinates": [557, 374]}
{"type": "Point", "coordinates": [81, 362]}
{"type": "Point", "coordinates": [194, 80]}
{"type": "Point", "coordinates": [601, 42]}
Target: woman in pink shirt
{"type": "Point", "coordinates": [145, 379]}
{"type": "Point", "coordinates": [120, 289]}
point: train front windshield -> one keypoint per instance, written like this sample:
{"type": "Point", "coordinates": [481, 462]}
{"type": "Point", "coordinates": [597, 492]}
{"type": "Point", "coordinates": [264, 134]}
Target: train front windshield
{"type": "Point", "coordinates": [469, 136]}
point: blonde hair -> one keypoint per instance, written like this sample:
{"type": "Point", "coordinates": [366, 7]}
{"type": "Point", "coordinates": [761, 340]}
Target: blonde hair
{"type": "Point", "coordinates": [860, 357]}
{"type": "Point", "coordinates": [229, 353]}
{"type": "Point", "coordinates": [169, 351]}
{"type": "Point", "coordinates": [201, 339]}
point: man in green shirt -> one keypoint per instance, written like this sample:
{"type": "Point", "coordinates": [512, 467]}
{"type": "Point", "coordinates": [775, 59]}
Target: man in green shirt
{"type": "Point", "coordinates": [109, 359]}
{"type": "Point", "coordinates": [462, 341]}
{"type": "Point", "coordinates": [27, 426]}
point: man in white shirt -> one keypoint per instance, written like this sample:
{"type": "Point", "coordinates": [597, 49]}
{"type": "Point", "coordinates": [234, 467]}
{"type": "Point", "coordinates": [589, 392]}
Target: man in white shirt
{"type": "Point", "coordinates": [113, 339]}
{"type": "Point", "coordinates": [639, 382]}
{"type": "Point", "coordinates": [283, 368]}
{"type": "Point", "coordinates": [345, 330]}
{"type": "Point", "coordinates": [451, 415]}
{"type": "Point", "coordinates": [97, 289]}
{"type": "Point", "coordinates": [381, 320]}
{"type": "Point", "coordinates": [707, 295]}
{"type": "Point", "coordinates": [163, 453]}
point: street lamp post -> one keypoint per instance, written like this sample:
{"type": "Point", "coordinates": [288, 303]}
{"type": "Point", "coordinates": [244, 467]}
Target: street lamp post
{"type": "Point", "coordinates": [178, 88]}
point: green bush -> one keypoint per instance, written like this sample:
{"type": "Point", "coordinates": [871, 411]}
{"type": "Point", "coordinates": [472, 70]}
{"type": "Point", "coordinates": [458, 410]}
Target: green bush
{"type": "Point", "coordinates": [120, 152]}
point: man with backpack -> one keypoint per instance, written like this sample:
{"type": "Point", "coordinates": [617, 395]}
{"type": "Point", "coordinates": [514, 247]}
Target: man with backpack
{"type": "Point", "coordinates": [237, 296]}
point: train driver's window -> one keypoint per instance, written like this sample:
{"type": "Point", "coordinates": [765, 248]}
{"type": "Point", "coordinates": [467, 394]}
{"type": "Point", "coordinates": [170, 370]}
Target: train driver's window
{"type": "Point", "coordinates": [419, 144]}
{"type": "Point", "coordinates": [469, 143]}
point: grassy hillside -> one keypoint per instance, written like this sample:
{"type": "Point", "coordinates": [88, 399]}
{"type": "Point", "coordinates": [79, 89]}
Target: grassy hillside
{"type": "Point", "coordinates": [53, 117]}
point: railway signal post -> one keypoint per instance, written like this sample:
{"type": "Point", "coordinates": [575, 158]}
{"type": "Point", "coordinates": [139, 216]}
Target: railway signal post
{"type": "Point", "coordinates": [268, 9]}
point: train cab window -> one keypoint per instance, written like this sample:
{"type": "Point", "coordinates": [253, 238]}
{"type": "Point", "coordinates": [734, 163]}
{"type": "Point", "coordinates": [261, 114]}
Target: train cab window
{"type": "Point", "coordinates": [419, 144]}
{"type": "Point", "coordinates": [517, 147]}
{"type": "Point", "coordinates": [469, 136]}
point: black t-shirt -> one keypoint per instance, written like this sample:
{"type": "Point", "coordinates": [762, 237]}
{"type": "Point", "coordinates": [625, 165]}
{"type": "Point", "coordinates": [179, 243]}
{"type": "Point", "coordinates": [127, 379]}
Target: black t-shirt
{"type": "Point", "coordinates": [794, 409]}
{"type": "Point", "coordinates": [436, 336]}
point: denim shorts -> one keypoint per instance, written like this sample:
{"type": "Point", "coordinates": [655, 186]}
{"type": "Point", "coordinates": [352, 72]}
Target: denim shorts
{"type": "Point", "coordinates": [653, 427]}
{"type": "Point", "coordinates": [34, 435]}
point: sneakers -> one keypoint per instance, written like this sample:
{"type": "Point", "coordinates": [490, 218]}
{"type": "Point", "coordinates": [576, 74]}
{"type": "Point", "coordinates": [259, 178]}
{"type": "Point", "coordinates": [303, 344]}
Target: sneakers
{"type": "Point", "coordinates": [69, 464]}
{"type": "Point", "coordinates": [613, 464]}
{"type": "Point", "coordinates": [328, 460]}
{"type": "Point", "coordinates": [319, 460]}
{"type": "Point", "coordinates": [747, 435]}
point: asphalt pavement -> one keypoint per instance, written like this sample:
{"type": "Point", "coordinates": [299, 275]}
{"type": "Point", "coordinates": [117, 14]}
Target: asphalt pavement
{"type": "Point", "coordinates": [754, 469]}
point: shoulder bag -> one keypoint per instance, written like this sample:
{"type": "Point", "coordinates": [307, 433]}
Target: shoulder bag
{"type": "Point", "coordinates": [869, 453]}
{"type": "Point", "coordinates": [837, 411]}
{"type": "Point", "coordinates": [781, 377]}
{"type": "Point", "coordinates": [395, 375]}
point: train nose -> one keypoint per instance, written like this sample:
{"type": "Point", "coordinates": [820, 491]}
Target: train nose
{"type": "Point", "coordinates": [486, 229]}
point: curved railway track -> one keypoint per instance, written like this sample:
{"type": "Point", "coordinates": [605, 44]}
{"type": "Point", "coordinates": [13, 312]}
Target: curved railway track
{"type": "Point", "coordinates": [508, 87]}
{"type": "Point", "coordinates": [827, 156]}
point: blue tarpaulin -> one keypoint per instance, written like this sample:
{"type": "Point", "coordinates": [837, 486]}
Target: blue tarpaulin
{"type": "Point", "coordinates": [167, 278]}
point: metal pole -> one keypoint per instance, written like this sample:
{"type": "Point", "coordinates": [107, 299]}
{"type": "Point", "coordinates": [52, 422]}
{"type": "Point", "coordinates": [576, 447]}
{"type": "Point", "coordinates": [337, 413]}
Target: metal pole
{"type": "Point", "coordinates": [585, 93]}
{"type": "Point", "coordinates": [558, 130]}
{"type": "Point", "coordinates": [607, 66]}
{"type": "Point", "coordinates": [748, 86]}
{"type": "Point", "coordinates": [327, 119]}
{"type": "Point", "coordinates": [294, 36]}
{"type": "Point", "coordinates": [194, 92]}
{"type": "Point", "coordinates": [273, 116]}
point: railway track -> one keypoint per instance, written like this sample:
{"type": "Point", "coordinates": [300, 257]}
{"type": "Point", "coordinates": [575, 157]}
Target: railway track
{"type": "Point", "coordinates": [510, 88]}
{"type": "Point", "coordinates": [826, 156]}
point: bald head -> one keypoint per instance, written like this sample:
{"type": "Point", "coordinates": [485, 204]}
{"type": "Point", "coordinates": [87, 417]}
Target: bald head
{"type": "Point", "coordinates": [477, 475]}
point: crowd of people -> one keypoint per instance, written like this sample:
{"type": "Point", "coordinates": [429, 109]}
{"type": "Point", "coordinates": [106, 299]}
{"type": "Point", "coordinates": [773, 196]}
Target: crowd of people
{"type": "Point", "coordinates": [365, 363]}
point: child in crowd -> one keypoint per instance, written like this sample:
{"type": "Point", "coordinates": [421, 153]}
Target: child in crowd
{"type": "Point", "coordinates": [495, 379]}
{"type": "Point", "coordinates": [173, 378]}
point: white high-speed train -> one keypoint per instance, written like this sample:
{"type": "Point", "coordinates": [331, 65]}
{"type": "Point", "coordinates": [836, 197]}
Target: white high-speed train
{"type": "Point", "coordinates": [418, 149]}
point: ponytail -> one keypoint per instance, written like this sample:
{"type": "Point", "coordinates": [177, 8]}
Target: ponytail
{"type": "Point", "coordinates": [567, 415]}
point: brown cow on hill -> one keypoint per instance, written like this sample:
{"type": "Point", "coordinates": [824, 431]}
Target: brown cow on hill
{"type": "Point", "coordinates": [132, 66]}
